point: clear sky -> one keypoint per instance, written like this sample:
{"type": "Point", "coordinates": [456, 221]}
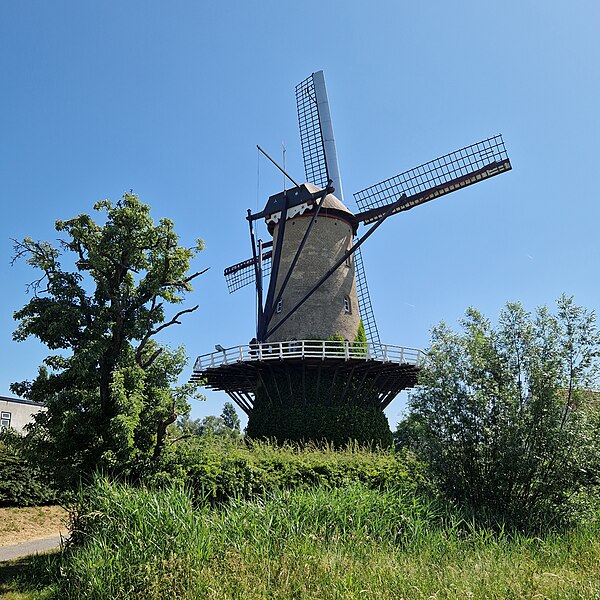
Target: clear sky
{"type": "Point", "coordinates": [170, 98]}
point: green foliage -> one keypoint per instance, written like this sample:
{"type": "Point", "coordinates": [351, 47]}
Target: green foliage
{"type": "Point", "coordinates": [156, 541]}
{"type": "Point", "coordinates": [505, 416]}
{"type": "Point", "coordinates": [361, 335]}
{"type": "Point", "coordinates": [21, 482]}
{"type": "Point", "coordinates": [318, 406]}
{"type": "Point", "coordinates": [222, 467]}
{"type": "Point", "coordinates": [302, 405]}
{"type": "Point", "coordinates": [114, 527]}
{"type": "Point", "coordinates": [230, 418]}
{"type": "Point", "coordinates": [110, 389]}
{"type": "Point", "coordinates": [227, 425]}
{"type": "Point", "coordinates": [337, 424]}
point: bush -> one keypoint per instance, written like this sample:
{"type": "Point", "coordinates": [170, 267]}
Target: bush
{"type": "Point", "coordinates": [504, 415]}
{"type": "Point", "coordinates": [220, 468]}
{"type": "Point", "coordinates": [21, 483]}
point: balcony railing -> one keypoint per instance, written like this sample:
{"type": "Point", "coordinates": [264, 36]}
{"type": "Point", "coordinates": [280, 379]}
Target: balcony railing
{"type": "Point", "coordinates": [322, 349]}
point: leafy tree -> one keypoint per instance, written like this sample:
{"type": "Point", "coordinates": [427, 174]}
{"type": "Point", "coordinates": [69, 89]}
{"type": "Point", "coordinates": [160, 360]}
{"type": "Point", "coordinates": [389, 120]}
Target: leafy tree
{"type": "Point", "coordinates": [227, 425]}
{"type": "Point", "coordinates": [188, 427]}
{"type": "Point", "coordinates": [230, 418]}
{"type": "Point", "coordinates": [212, 425]}
{"type": "Point", "coordinates": [506, 415]}
{"type": "Point", "coordinates": [109, 387]}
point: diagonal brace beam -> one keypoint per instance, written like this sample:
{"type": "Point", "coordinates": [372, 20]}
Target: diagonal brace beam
{"type": "Point", "coordinates": [390, 209]}
{"type": "Point", "coordinates": [326, 191]}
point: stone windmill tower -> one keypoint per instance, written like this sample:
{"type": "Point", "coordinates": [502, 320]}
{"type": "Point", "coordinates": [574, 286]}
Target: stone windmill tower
{"type": "Point", "coordinates": [309, 365]}
{"type": "Point", "coordinates": [332, 310]}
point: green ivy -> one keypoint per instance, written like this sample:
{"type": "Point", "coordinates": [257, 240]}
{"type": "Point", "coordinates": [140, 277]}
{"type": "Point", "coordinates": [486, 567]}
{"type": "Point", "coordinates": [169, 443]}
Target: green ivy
{"type": "Point", "coordinates": [337, 423]}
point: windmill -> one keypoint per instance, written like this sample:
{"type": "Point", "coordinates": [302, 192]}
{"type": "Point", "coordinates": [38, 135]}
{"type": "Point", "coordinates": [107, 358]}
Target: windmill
{"type": "Point", "coordinates": [312, 294]}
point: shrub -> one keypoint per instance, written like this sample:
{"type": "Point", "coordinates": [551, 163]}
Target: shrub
{"type": "Point", "coordinates": [21, 483]}
{"type": "Point", "coordinates": [220, 468]}
{"type": "Point", "coordinates": [504, 415]}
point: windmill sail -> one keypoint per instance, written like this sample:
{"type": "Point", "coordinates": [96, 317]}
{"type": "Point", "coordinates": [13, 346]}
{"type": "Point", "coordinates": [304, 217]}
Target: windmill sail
{"type": "Point", "coordinates": [313, 152]}
{"type": "Point", "coordinates": [242, 274]}
{"type": "Point", "coordinates": [434, 179]}
{"type": "Point", "coordinates": [320, 164]}
{"type": "Point", "coordinates": [364, 301]}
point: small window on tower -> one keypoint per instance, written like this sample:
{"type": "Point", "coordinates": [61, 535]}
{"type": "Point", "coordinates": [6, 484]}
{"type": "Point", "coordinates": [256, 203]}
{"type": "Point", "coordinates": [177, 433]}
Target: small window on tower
{"type": "Point", "coordinates": [349, 261]}
{"type": "Point", "coordinates": [347, 305]}
{"type": "Point", "coordinates": [279, 305]}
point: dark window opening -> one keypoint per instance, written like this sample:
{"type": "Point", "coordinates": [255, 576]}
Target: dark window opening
{"type": "Point", "coordinates": [347, 305]}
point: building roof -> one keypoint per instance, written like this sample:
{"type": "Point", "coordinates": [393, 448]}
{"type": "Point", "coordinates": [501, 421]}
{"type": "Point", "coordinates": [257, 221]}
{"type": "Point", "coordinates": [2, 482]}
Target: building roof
{"type": "Point", "coordinates": [20, 401]}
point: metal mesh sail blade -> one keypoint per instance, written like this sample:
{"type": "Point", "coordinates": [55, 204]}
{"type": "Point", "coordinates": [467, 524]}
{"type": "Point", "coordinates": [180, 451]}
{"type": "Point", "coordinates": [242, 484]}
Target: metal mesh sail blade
{"type": "Point", "coordinates": [436, 178]}
{"type": "Point", "coordinates": [311, 140]}
{"type": "Point", "coordinates": [315, 168]}
{"type": "Point", "coordinates": [242, 274]}
{"type": "Point", "coordinates": [365, 307]}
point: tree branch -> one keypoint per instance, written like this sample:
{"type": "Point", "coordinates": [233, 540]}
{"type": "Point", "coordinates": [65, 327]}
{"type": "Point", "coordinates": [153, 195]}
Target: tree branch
{"type": "Point", "coordinates": [151, 332]}
{"type": "Point", "coordinates": [185, 281]}
{"type": "Point", "coordinates": [146, 364]}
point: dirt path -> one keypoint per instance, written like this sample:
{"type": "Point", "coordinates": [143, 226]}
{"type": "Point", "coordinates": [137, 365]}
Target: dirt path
{"type": "Point", "coordinates": [19, 525]}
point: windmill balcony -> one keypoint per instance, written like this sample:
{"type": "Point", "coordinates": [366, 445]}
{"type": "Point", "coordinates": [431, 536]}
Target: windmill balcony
{"type": "Point", "coordinates": [311, 349]}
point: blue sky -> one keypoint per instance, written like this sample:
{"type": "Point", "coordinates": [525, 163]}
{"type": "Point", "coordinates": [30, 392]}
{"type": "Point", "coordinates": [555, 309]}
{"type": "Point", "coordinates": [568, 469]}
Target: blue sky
{"type": "Point", "coordinates": [170, 98]}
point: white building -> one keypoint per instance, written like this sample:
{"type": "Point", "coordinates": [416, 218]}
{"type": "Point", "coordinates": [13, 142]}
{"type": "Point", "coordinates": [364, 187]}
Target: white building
{"type": "Point", "coordinates": [16, 413]}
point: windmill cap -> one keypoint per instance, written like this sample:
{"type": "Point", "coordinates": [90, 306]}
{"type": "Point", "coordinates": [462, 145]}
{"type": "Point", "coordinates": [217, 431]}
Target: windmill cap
{"type": "Point", "coordinates": [330, 202]}
{"type": "Point", "coordinates": [300, 199]}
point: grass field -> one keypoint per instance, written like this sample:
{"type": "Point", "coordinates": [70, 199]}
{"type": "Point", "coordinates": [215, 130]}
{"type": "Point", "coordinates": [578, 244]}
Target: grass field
{"type": "Point", "coordinates": [349, 542]}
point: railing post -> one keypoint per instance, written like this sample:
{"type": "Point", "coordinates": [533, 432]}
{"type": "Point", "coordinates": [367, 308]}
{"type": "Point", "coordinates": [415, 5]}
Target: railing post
{"type": "Point", "coordinates": [241, 354]}
{"type": "Point", "coordinates": [402, 354]}
{"type": "Point", "coordinates": [302, 347]}
{"type": "Point", "coordinates": [347, 349]}
{"type": "Point", "coordinates": [323, 342]}
{"type": "Point", "coordinates": [385, 353]}
{"type": "Point", "coordinates": [280, 349]}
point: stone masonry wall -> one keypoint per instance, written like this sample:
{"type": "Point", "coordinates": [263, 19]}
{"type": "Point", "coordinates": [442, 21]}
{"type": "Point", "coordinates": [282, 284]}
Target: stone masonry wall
{"type": "Point", "coordinates": [323, 314]}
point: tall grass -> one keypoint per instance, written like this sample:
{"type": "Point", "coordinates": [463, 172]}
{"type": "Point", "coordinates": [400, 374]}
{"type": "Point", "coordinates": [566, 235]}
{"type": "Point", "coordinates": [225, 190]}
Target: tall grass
{"type": "Point", "coordinates": [347, 542]}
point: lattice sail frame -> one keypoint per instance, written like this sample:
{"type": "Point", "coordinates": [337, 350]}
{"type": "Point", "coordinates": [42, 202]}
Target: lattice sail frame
{"type": "Point", "coordinates": [465, 166]}
{"type": "Point", "coordinates": [243, 274]}
{"type": "Point", "coordinates": [365, 308]}
{"type": "Point", "coordinates": [315, 169]}
{"type": "Point", "coordinates": [313, 152]}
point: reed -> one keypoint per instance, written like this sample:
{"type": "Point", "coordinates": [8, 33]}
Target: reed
{"type": "Point", "coordinates": [347, 542]}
